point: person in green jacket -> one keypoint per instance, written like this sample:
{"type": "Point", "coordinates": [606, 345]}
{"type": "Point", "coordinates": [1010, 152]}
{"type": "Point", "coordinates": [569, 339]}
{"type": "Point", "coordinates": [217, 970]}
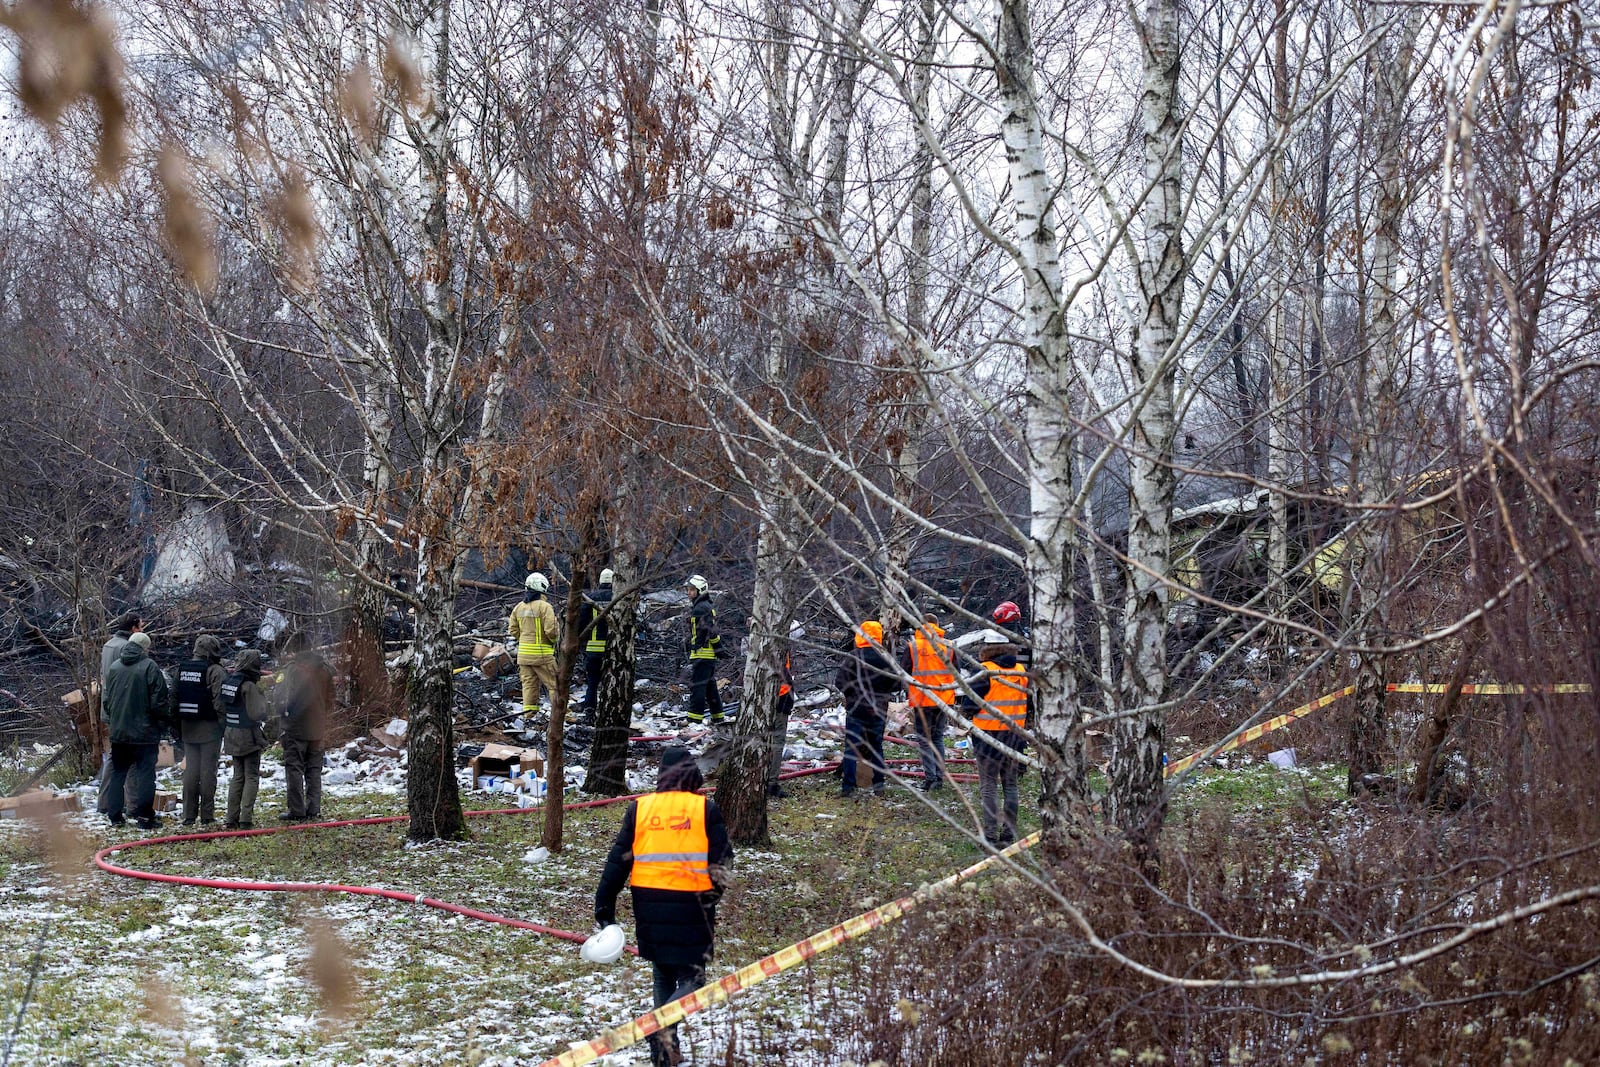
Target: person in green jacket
{"type": "Point", "coordinates": [244, 711]}
{"type": "Point", "coordinates": [136, 706]}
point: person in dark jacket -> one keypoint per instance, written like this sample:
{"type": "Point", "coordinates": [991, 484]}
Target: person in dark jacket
{"type": "Point", "coordinates": [1002, 685]}
{"type": "Point", "coordinates": [244, 711]}
{"type": "Point", "coordinates": [304, 700]}
{"type": "Point", "coordinates": [136, 705]}
{"type": "Point", "coordinates": [593, 624]}
{"type": "Point", "coordinates": [197, 696]}
{"type": "Point", "coordinates": [703, 644]}
{"type": "Point", "coordinates": [867, 681]}
{"type": "Point", "coordinates": [673, 851]}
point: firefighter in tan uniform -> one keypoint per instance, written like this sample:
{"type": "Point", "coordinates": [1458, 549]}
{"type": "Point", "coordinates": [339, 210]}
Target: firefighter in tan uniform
{"type": "Point", "coordinates": [534, 631]}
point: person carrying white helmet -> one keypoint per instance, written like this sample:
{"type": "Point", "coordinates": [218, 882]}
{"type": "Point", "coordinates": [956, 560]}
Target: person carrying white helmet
{"type": "Point", "coordinates": [535, 631]}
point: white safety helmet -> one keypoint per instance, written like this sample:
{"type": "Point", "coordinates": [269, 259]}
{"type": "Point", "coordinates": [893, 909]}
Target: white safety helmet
{"type": "Point", "coordinates": [698, 584]}
{"type": "Point", "coordinates": [608, 576]}
{"type": "Point", "coordinates": [538, 583]}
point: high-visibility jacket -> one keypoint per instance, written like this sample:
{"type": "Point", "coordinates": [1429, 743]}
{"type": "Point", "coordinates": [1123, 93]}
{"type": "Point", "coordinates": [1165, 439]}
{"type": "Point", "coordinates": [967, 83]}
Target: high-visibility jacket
{"type": "Point", "coordinates": [786, 686]}
{"type": "Point", "coordinates": [1007, 699]}
{"type": "Point", "coordinates": [593, 621]}
{"type": "Point", "coordinates": [670, 847]}
{"type": "Point", "coordinates": [933, 683]}
{"type": "Point", "coordinates": [533, 627]}
{"type": "Point", "coordinates": [703, 636]}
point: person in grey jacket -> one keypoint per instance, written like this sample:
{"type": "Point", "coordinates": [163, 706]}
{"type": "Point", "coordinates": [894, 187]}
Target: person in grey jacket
{"type": "Point", "coordinates": [136, 705]}
{"type": "Point", "coordinates": [197, 694]}
{"type": "Point", "coordinates": [244, 711]}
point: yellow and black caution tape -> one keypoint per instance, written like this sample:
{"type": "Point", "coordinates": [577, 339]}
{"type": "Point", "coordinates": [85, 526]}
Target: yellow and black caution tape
{"type": "Point", "coordinates": [718, 992]}
{"type": "Point", "coordinates": [714, 993]}
{"type": "Point", "coordinates": [1490, 689]}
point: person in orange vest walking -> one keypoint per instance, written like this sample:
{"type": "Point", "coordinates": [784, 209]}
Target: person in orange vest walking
{"type": "Point", "coordinates": [928, 658]}
{"type": "Point", "coordinates": [534, 630]}
{"type": "Point", "coordinates": [673, 852]}
{"type": "Point", "coordinates": [1003, 687]}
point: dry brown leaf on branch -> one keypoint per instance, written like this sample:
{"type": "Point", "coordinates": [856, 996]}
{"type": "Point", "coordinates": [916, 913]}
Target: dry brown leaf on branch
{"type": "Point", "coordinates": [330, 970]}
{"type": "Point", "coordinates": [297, 220]}
{"type": "Point", "coordinates": [68, 848]}
{"type": "Point", "coordinates": [400, 69]}
{"type": "Point", "coordinates": [187, 229]}
{"type": "Point", "coordinates": [67, 52]}
{"type": "Point", "coordinates": [358, 99]}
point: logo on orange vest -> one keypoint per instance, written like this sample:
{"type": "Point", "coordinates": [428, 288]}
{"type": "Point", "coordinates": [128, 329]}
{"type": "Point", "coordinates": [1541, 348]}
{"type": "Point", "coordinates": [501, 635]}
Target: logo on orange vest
{"type": "Point", "coordinates": [685, 823]}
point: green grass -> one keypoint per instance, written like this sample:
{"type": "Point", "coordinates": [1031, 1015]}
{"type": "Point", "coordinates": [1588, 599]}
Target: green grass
{"type": "Point", "coordinates": [438, 990]}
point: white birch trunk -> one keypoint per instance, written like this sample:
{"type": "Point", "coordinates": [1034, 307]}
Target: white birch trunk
{"type": "Point", "coordinates": [1136, 802]}
{"type": "Point", "coordinates": [1064, 795]}
{"type": "Point", "coordinates": [432, 797]}
{"type": "Point", "coordinates": [1278, 425]}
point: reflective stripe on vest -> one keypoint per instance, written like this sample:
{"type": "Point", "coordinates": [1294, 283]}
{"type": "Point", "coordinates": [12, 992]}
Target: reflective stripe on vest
{"type": "Point", "coordinates": [191, 692]}
{"type": "Point", "coordinates": [930, 666]}
{"type": "Point", "coordinates": [670, 847]}
{"type": "Point", "coordinates": [531, 644]}
{"type": "Point", "coordinates": [236, 714]}
{"type": "Point", "coordinates": [1008, 699]}
{"type": "Point", "coordinates": [708, 652]}
{"type": "Point", "coordinates": [596, 644]}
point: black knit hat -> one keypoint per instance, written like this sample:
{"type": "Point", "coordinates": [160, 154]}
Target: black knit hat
{"type": "Point", "coordinates": [671, 757]}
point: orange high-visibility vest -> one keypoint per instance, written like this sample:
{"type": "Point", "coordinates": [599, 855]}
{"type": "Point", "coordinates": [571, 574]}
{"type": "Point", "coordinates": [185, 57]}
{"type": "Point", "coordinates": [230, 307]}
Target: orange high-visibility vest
{"type": "Point", "coordinates": [670, 847]}
{"type": "Point", "coordinates": [788, 670]}
{"type": "Point", "coordinates": [1007, 699]}
{"type": "Point", "coordinates": [933, 683]}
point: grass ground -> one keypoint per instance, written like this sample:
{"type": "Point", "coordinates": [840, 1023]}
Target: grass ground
{"type": "Point", "coordinates": [133, 972]}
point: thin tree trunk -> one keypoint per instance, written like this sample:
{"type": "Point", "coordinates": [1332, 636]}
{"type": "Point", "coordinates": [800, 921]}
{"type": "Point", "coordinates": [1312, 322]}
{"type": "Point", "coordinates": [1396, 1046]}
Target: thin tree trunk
{"type": "Point", "coordinates": [572, 640]}
{"type": "Point", "coordinates": [1437, 728]}
{"type": "Point", "coordinates": [608, 755]}
{"type": "Point", "coordinates": [1373, 463]}
{"type": "Point", "coordinates": [1064, 800]}
{"type": "Point", "coordinates": [910, 420]}
{"type": "Point", "coordinates": [1136, 800]}
{"type": "Point", "coordinates": [1278, 425]}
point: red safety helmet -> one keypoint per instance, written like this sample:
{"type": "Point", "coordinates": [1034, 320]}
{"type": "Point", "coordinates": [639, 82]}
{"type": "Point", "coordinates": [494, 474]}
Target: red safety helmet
{"type": "Point", "coordinates": [1005, 613]}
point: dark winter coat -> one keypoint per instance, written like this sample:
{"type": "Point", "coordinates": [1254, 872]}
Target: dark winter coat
{"type": "Point", "coordinates": [593, 614]}
{"type": "Point", "coordinates": [671, 926]}
{"type": "Point", "coordinates": [867, 681]}
{"type": "Point", "coordinates": [206, 731]}
{"type": "Point", "coordinates": [304, 698]}
{"type": "Point", "coordinates": [110, 652]}
{"type": "Point", "coordinates": [702, 626]}
{"type": "Point", "coordinates": [245, 741]}
{"type": "Point", "coordinates": [137, 701]}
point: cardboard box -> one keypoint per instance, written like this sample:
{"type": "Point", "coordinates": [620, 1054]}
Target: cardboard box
{"type": "Point", "coordinates": [36, 803]}
{"type": "Point", "coordinates": [168, 756]}
{"type": "Point", "coordinates": [496, 659]}
{"type": "Point", "coordinates": [497, 760]}
{"type": "Point", "coordinates": [167, 801]}
{"type": "Point", "coordinates": [390, 737]}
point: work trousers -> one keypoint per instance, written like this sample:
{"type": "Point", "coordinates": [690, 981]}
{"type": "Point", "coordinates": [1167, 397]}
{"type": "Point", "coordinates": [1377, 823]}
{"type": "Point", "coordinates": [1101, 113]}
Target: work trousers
{"type": "Point", "coordinates": [780, 734]}
{"type": "Point", "coordinates": [928, 723]}
{"type": "Point", "coordinates": [302, 774]}
{"type": "Point", "coordinates": [242, 789]}
{"type": "Point", "coordinates": [998, 769]}
{"type": "Point", "coordinates": [593, 664]}
{"type": "Point", "coordinates": [672, 980]}
{"type": "Point", "coordinates": [541, 671]}
{"type": "Point", "coordinates": [200, 780]}
{"type": "Point", "coordinates": [863, 740]}
{"type": "Point", "coordinates": [130, 781]}
{"type": "Point", "coordinates": [703, 694]}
